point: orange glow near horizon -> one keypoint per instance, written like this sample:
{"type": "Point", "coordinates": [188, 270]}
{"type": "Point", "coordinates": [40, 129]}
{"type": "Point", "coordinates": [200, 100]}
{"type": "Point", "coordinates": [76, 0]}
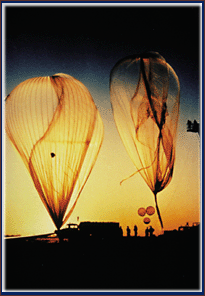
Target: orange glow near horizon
{"type": "Point", "coordinates": [103, 198]}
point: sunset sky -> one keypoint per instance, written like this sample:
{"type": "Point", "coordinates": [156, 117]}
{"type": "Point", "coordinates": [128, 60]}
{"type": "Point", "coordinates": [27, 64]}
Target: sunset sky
{"type": "Point", "coordinates": [86, 42]}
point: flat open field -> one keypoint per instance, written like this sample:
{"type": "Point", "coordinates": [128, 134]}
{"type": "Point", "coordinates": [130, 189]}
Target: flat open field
{"type": "Point", "coordinates": [127, 263]}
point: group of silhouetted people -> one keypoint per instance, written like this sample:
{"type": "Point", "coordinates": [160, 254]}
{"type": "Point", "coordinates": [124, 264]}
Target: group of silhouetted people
{"type": "Point", "coordinates": [135, 230]}
{"type": "Point", "coordinates": [193, 127]}
{"type": "Point", "coordinates": [149, 231]}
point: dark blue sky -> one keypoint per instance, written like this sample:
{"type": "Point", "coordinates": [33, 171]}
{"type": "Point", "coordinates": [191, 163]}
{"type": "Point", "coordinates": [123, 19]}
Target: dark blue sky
{"type": "Point", "coordinates": [86, 42]}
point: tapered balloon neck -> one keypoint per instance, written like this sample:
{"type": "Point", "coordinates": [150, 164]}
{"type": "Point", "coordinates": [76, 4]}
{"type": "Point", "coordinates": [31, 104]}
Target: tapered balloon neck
{"type": "Point", "coordinates": [158, 211]}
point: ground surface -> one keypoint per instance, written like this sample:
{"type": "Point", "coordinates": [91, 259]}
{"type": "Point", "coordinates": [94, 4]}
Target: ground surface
{"type": "Point", "coordinates": [128, 263]}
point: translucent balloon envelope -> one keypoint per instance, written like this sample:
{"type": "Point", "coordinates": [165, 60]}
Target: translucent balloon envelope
{"type": "Point", "coordinates": [57, 129]}
{"type": "Point", "coordinates": [150, 210]}
{"type": "Point", "coordinates": [146, 220]}
{"type": "Point", "coordinates": [144, 92]}
{"type": "Point", "coordinates": [141, 212]}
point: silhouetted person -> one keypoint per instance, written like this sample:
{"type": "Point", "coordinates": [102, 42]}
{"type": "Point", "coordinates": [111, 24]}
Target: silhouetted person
{"type": "Point", "coordinates": [196, 127]}
{"type": "Point", "coordinates": [128, 231]}
{"type": "Point", "coordinates": [135, 230]}
{"type": "Point", "coordinates": [147, 232]}
{"type": "Point", "coordinates": [189, 126]}
{"type": "Point", "coordinates": [151, 230]}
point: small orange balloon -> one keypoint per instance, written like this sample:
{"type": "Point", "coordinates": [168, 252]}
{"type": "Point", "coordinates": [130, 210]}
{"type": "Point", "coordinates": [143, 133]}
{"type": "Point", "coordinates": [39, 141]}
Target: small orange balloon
{"type": "Point", "coordinates": [141, 212]}
{"type": "Point", "coordinates": [150, 210]}
{"type": "Point", "coordinates": [146, 220]}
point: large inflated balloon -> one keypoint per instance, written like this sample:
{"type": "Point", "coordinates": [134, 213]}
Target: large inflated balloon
{"type": "Point", "coordinates": [145, 94]}
{"type": "Point", "coordinates": [57, 129]}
